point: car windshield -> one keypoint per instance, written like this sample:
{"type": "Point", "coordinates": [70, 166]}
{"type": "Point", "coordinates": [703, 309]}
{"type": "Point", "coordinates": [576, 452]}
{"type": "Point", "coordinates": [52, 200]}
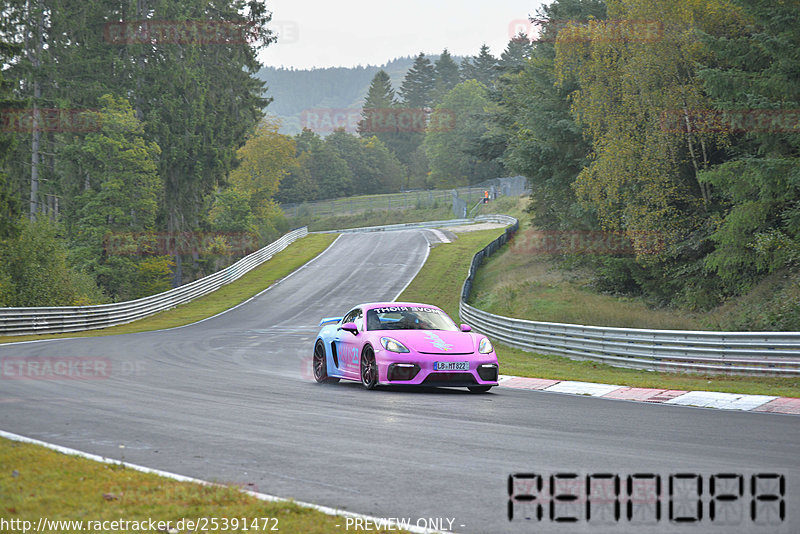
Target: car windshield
{"type": "Point", "coordinates": [409, 318]}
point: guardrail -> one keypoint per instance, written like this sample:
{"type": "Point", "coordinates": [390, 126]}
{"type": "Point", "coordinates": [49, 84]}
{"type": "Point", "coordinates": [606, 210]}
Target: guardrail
{"type": "Point", "coordinates": [773, 353]}
{"type": "Point", "coordinates": [61, 319]}
{"type": "Point", "coordinates": [502, 219]}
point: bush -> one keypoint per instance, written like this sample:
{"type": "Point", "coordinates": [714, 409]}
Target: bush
{"type": "Point", "coordinates": [36, 272]}
{"type": "Point", "coordinates": [154, 275]}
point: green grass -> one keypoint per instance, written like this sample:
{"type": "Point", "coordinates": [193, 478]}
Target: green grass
{"type": "Point", "coordinates": [377, 218]}
{"type": "Point", "coordinates": [36, 482]}
{"type": "Point", "coordinates": [440, 279]}
{"type": "Point", "coordinates": [378, 202]}
{"type": "Point", "coordinates": [519, 283]}
{"type": "Point", "coordinates": [439, 282]}
{"type": "Point", "coordinates": [535, 287]}
{"type": "Point", "coordinates": [341, 213]}
{"type": "Point", "coordinates": [282, 264]}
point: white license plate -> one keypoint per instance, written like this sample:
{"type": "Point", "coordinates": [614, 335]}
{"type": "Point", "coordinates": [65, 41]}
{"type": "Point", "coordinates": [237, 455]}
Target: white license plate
{"type": "Point", "coordinates": [451, 366]}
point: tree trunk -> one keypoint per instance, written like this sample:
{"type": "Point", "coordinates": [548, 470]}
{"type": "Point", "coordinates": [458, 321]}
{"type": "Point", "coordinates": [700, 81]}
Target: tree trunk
{"type": "Point", "coordinates": [36, 136]}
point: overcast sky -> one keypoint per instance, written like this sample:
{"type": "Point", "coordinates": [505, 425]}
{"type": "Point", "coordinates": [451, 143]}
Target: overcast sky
{"type": "Point", "coordinates": [330, 33]}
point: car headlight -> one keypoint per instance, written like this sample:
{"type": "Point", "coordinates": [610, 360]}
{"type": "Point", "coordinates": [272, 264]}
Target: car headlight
{"type": "Point", "coordinates": [485, 346]}
{"type": "Point", "coordinates": [392, 345]}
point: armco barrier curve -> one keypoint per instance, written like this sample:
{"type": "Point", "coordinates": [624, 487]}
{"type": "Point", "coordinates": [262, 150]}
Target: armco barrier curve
{"type": "Point", "coordinates": [772, 353]}
{"type": "Point", "coordinates": [61, 319]}
{"type": "Point", "coordinates": [501, 219]}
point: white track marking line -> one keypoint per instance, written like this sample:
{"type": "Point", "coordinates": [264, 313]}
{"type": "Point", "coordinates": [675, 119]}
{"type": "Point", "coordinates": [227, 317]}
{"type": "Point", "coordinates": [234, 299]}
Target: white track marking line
{"type": "Point", "coordinates": [582, 388]}
{"type": "Point", "coordinates": [725, 401]}
{"type": "Point", "coordinates": [182, 478]}
{"type": "Point", "coordinates": [440, 235]}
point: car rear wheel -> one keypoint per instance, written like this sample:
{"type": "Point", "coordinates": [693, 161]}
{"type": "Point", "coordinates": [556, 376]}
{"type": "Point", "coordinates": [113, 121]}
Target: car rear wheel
{"type": "Point", "coordinates": [479, 389]}
{"type": "Point", "coordinates": [320, 365]}
{"type": "Point", "coordinates": [369, 368]}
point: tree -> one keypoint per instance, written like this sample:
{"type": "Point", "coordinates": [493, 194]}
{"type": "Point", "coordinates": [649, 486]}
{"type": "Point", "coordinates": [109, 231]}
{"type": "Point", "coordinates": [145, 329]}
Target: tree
{"type": "Point", "coordinates": [543, 142]}
{"type": "Point", "coordinates": [114, 190]}
{"type": "Point", "coordinates": [350, 149]}
{"type": "Point", "coordinates": [23, 24]}
{"type": "Point", "coordinates": [247, 202]}
{"type": "Point", "coordinates": [453, 130]}
{"type": "Point", "coordinates": [445, 75]}
{"type": "Point", "coordinates": [379, 99]}
{"type": "Point", "coordinates": [264, 160]}
{"type": "Point", "coordinates": [199, 98]}
{"type": "Point", "coordinates": [641, 179]}
{"type": "Point", "coordinates": [482, 67]}
{"type": "Point", "coordinates": [388, 174]}
{"type": "Point", "coordinates": [232, 211]}
{"type": "Point", "coordinates": [517, 51]}
{"type": "Point", "coordinates": [758, 187]}
{"type": "Point", "coordinates": [307, 141]}
{"type": "Point", "coordinates": [9, 200]}
{"type": "Point", "coordinates": [499, 117]}
{"type": "Point", "coordinates": [374, 169]}
{"type": "Point", "coordinates": [297, 185]}
{"type": "Point", "coordinates": [382, 116]}
{"type": "Point", "coordinates": [418, 84]}
{"type": "Point", "coordinates": [330, 172]}
{"type": "Point", "coordinates": [37, 272]}
{"type": "Point", "coordinates": [417, 92]}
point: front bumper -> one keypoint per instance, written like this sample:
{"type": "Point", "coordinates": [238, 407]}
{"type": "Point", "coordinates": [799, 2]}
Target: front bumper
{"type": "Point", "coordinates": [415, 369]}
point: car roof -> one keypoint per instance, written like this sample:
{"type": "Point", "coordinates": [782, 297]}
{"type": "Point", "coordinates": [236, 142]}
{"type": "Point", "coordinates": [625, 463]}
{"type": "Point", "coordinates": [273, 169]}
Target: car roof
{"type": "Point", "coordinates": [371, 305]}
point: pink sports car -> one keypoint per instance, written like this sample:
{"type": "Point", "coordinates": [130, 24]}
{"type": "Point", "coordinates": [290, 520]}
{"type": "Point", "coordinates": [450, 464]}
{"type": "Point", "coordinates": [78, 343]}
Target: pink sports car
{"type": "Point", "coordinates": [399, 343]}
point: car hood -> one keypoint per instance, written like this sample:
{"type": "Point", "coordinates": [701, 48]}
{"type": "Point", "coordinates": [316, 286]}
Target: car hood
{"type": "Point", "coordinates": [433, 341]}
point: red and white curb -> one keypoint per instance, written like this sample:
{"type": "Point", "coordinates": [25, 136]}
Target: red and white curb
{"type": "Point", "coordinates": [700, 399]}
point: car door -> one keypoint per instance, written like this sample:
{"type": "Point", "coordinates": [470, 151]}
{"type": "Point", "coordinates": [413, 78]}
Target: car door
{"type": "Point", "coordinates": [348, 346]}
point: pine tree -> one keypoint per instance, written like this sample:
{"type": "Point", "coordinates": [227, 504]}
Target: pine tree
{"type": "Point", "coordinates": [482, 67]}
{"type": "Point", "coordinates": [446, 75]}
{"type": "Point", "coordinates": [757, 190]}
{"type": "Point", "coordinates": [516, 53]}
{"type": "Point", "coordinates": [418, 84]}
{"type": "Point", "coordinates": [379, 101]}
{"type": "Point", "coordinates": [9, 200]}
{"type": "Point", "coordinates": [533, 131]}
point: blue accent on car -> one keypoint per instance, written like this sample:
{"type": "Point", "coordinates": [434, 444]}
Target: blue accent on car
{"type": "Point", "coordinates": [329, 320]}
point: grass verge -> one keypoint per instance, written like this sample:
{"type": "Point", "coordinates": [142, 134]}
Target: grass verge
{"type": "Point", "coordinates": [39, 483]}
{"type": "Point", "coordinates": [440, 279]}
{"type": "Point", "coordinates": [282, 264]}
{"type": "Point", "coordinates": [377, 218]}
{"type": "Point", "coordinates": [441, 210]}
{"type": "Point", "coordinates": [535, 287]}
{"type": "Point", "coordinates": [439, 282]}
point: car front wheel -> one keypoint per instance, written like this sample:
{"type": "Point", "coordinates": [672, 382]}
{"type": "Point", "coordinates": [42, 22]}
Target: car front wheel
{"type": "Point", "coordinates": [369, 368]}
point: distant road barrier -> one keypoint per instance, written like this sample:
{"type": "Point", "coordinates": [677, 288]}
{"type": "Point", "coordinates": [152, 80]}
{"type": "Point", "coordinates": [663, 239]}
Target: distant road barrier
{"type": "Point", "coordinates": [501, 219]}
{"type": "Point", "coordinates": [772, 353]}
{"type": "Point", "coordinates": [44, 320]}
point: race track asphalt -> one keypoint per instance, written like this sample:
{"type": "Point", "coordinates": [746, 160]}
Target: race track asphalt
{"type": "Point", "coordinates": [231, 399]}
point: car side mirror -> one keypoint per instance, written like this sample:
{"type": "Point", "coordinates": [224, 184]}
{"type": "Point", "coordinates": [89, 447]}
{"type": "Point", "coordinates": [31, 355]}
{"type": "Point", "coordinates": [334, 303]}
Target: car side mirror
{"type": "Point", "coordinates": [350, 327]}
{"type": "Point", "coordinates": [466, 328]}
